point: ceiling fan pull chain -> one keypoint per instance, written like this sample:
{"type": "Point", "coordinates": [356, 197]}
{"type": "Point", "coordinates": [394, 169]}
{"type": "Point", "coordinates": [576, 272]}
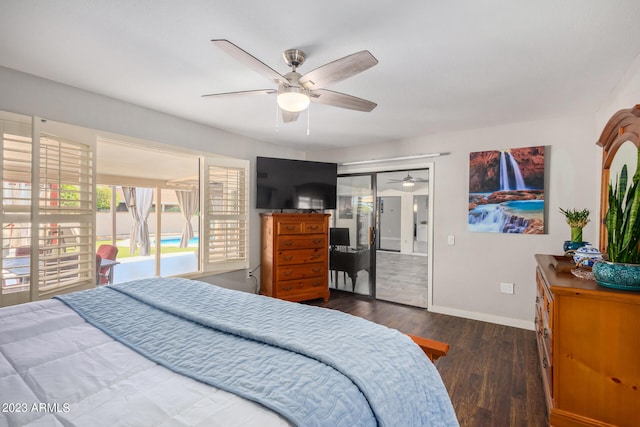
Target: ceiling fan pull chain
{"type": "Point", "coordinates": [308, 113]}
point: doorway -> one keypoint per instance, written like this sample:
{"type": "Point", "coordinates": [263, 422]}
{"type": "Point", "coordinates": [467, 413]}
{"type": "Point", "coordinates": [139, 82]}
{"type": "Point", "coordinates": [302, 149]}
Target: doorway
{"type": "Point", "coordinates": [388, 212]}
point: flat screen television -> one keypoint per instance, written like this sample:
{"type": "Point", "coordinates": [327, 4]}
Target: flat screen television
{"type": "Point", "coordinates": [295, 184]}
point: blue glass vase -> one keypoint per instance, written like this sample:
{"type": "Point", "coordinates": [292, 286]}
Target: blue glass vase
{"type": "Point", "coordinates": [570, 245]}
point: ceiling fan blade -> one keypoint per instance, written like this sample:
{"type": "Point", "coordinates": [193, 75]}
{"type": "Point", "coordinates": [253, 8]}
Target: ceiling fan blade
{"type": "Point", "coordinates": [342, 100]}
{"type": "Point", "coordinates": [338, 70]}
{"type": "Point", "coordinates": [243, 92]}
{"type": "Point", "coordinates": [250, 60]}
{"type": "Point", "coordinates": [288, 116]}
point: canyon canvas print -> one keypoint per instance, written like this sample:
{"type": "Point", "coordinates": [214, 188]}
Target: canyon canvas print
{"type": "Point", "coordinates": [506, 191]}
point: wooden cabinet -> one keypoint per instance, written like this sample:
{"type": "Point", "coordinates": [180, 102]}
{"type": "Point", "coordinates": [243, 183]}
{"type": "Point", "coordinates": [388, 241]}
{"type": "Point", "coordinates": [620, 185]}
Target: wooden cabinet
{"type": "Point", "coordinates": [294, 260]}
{"type": "Point", "coordinates": [589, 348]}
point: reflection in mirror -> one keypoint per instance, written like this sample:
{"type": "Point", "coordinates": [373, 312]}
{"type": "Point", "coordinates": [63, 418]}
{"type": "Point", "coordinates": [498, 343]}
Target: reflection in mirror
{"type": "Point", "coordinates": [620, 140]}
{"type": "Point", "coordinates": [627, 154]}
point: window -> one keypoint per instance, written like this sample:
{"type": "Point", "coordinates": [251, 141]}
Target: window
{"type": "Point", "coordinates": [226, 230]}
{"type": "Point", "coordinates": [47, 213]}
{"type": "Point", "coordinates": [218, 214]}
{"type": "Point", "coordinates": [53, 212]}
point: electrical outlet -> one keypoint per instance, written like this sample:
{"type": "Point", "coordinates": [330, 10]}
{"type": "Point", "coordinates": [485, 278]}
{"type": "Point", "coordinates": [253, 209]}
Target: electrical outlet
{"type": "Point", "coordinates": [249, 274]}
{"type": "Point", "coordinates": [506, 288]}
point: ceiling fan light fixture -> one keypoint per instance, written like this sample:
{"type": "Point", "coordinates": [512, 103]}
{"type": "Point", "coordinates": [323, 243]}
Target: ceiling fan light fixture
{"type": "Point", "coordinates": [293, 99]}
{"type": "Point", "coordinates": [408, 183]}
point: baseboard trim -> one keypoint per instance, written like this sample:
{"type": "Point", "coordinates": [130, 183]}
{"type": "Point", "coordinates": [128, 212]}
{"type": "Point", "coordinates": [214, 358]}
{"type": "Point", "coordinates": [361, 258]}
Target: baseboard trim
{"type": "Point", "coordinates": [483, 317]}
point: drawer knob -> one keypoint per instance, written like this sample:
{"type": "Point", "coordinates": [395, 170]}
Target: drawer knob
{"type": "Point", "coordinates": [316, 270]}
{"type": "Point", "coordinates": [313, 227]}
{"type": "Point", "coordinates": [314, 256]}
{"type": "Point", "coordinates": [287, 273]}
{"type": "Point", "coordinates": [316, 284]}
{"type": "Point", "coordinates": [290, 227]}
{"type": "Point", "coordinates": [287, 258]}
{"type": "Point", "coordinates": [316, 241]}
{"type": "Point", "coordinates": [287, 288]}
{"type": "Point", "coordinates": [287, 242]}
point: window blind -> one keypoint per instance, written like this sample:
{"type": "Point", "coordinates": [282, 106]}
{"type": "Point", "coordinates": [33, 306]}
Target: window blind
{"type": "Point", "coordinates": [48, 205]}
{"type": "Point", "coordinates": [226, 200]}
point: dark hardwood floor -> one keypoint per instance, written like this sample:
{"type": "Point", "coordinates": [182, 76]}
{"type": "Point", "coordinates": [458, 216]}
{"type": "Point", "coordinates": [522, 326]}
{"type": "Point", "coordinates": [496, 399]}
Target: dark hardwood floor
{"type": "Point", "coordinates": [491, 371]}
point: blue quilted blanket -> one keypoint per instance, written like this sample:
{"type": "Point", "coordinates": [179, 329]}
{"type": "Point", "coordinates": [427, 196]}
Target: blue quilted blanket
{"type": "Point", "coordinates": [314, 366]}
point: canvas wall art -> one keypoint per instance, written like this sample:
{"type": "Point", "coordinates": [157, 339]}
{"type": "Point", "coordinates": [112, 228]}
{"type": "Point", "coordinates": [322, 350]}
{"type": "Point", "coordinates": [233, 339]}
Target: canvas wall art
{"type": "Point", "coordinates": [506, 191]}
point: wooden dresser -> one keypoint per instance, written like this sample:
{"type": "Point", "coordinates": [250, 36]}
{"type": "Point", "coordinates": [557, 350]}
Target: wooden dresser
{"type": "Point", "coordinates": [589, 347]}
{"type": "Point", "coordinates": [294, 260]}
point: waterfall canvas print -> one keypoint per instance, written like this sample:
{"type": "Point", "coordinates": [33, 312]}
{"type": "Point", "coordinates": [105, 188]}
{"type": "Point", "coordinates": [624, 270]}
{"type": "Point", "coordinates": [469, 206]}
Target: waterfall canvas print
{"type": "Point", "coordinates": [506, 191]}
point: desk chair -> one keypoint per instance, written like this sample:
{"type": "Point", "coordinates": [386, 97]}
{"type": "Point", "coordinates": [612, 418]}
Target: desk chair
{"type": "Point", "coordinates": [23, 251]}
{"type": "Point", "coordinates": [339, 241]}
{"type": "Point", "coordinates": [106, 273]}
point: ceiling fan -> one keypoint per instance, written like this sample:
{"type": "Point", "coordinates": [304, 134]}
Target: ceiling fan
{"type": "Point", "coordinates": [296, 91]}
{"type": "Point", "coordinates": [407, 181]}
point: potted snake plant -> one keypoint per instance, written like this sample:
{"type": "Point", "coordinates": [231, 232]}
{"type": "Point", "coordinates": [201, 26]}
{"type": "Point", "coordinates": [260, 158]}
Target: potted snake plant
{"type": "Point", "coordinates": [622, 270]}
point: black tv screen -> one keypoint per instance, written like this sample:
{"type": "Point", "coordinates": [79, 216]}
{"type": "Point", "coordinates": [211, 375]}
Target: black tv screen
{"type": "Point", "coordinates": [295, 184]}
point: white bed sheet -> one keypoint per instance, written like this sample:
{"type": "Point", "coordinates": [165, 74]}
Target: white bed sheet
{"type": "Point", "coordinates": [50, 355]}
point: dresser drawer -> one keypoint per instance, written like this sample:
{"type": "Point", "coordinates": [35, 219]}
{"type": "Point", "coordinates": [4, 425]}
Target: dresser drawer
{"type": "Point", "coordinates": [300, 256]}
{"type": "Point", "coordinates": [545, 300]}
{"type": "Point", "coordinates": [544, 336]}
{"type": "Point", "coordinates": [547, 369]}
{"type": "Point", "coordinates": [314, 227]}
{"type": "Point", "coordinates": [289, 227]}
{"type": "Point", "coordinates": [293, 287]}
{"type": "Point", "coordinates": [301, 227]}
{"type": "Point", "coordinates": [301, 242]}
{"type": "Point", "coordinates": [301, 271]}
{"type": "Point", "coordinates": [295, 256]}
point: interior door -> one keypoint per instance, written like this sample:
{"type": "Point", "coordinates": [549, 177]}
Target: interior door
{"type": "Point", "coordinates": [353, 235]}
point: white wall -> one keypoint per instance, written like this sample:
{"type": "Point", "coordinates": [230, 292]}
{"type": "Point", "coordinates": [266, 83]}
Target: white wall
{"type": "Point", "coordinates": [404, 223]}
{"type": "Point", "coordinates": [625, 95]}
{"type": "Point", "coordinates": [29, 95]}
{"type": "Point", "coordinates": [467, 276]}
{"type": "Point", "coordinates": [390, 222]}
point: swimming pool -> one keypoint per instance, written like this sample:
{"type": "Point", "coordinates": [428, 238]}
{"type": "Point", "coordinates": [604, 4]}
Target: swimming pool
{"type": "Point", "coordinates": [175, 241]}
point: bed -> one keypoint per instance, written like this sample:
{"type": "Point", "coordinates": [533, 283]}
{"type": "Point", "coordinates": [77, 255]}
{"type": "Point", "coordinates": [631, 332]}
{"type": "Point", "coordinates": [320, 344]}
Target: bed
{"type": "Point", "coordinates": [165, 352]}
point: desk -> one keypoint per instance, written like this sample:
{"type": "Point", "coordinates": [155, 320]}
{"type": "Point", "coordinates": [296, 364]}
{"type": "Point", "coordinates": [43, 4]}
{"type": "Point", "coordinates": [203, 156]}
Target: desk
{"type": "Point", "coordinates": [350, 261]}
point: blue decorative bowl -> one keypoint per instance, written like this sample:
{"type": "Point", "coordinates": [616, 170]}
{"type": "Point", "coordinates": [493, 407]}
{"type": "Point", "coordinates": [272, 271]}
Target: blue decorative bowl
{"type": "Point", "coordinates": [570, 245]}
{"type": "Point", "coordinates": [617, 275]}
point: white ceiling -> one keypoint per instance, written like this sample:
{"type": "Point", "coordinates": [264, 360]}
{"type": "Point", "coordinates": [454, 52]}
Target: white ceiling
{"type": "Point", "coordinates": [443, 66]}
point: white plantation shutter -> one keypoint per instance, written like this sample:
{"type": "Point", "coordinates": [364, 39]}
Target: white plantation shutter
{"type": "Point", "coordinates": [65, 220]}
{"type": "Point", "coordinates": [225, 206]}
{"type": "Point", "coordinates": [48, 208]}
{"type": "Point", "coordinates": [15, 200]}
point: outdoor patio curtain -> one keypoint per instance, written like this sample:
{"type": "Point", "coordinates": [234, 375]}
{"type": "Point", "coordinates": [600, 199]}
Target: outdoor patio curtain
{"type": "Point", "coordinates": [138, 202]}
{"type": "Point", "coordinates": [188, 202]}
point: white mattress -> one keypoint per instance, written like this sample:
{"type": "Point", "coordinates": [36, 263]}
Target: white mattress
{"type": "Point", "coordinates": [49, 355]}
